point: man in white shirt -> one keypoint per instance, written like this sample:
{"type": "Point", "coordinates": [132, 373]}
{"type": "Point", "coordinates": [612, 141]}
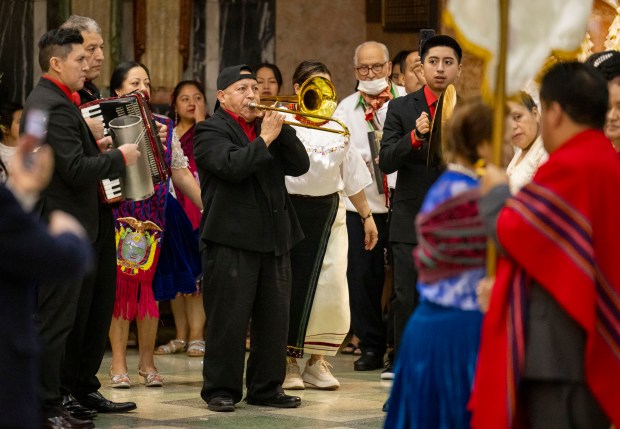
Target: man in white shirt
{"type": "Point", "coordinates": [364, 114]}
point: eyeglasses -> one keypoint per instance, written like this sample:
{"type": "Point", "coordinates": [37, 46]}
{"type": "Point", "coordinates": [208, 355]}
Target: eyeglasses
{"type": "Point", "coordinates": [376, 68]}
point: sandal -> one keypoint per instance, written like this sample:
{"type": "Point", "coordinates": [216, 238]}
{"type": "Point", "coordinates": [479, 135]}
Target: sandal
{"type": "Point", "coordinates": [173, 347]}
{"type": "Point", "coordinates": [119, 381]}
{"type": "Point", "coordinates": [151, 379]}
{"type": "Point", "coordinates": [196, 348]}
{"type": "Point", "coordinates": [350, 349]}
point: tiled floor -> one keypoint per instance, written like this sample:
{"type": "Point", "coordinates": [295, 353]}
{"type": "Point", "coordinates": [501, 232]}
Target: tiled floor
{"type": "Point", "coordinates": [357, 404]}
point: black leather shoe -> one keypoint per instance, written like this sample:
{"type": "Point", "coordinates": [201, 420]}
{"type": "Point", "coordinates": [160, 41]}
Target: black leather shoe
{"type": "Point", "coordinates": [368, 362]}
{"type": "Point", "coordinates": [281, 400]}
{"type": "Point", "coordinates": [96, 401]}
{"type": "Point", "coordinates": [75, 409]}
{"type": "Point", "coordinates": [66, 421]}
{"type": "Point", "coordinates": [221, 403]}
{"type": "Point", "coordinates": [385, 406]}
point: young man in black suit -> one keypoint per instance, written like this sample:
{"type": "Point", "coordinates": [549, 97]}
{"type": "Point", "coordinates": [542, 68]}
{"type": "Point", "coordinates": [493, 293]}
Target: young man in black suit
{"type": "Point", "coordinates": [79, 166]}
{"type": "Point", "coordinates": [247, 230]}
{"type": "Point", "coordinates": [405, 148]}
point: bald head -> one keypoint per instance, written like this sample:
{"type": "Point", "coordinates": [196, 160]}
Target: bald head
{"type": "Point", "coordinates": [371, 47]}
{"type": "Point", "coordinates": [372, 61]}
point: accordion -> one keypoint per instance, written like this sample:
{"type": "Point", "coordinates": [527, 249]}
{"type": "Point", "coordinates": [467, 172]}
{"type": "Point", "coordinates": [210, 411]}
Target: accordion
{"type": "Point", "coordinates": [135, 104]}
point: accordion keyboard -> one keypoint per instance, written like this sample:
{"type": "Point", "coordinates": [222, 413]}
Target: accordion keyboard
{"type": "Point", "coordinates": [111, 188]}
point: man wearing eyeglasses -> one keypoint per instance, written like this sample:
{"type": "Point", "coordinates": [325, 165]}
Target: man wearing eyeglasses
{"type": "Point", "coordinates": [364, 114]}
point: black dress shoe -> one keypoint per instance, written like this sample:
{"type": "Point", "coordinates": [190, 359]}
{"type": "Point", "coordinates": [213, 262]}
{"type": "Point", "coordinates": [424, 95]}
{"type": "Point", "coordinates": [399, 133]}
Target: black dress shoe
{"type": "Point", "coordinates": [96, 401]}
{"type": "Point", "coordinates": [75, 409]}
{"type": "Point", "coordinates": [221, 403]}
{"type": "Point", "coordinates": [281, 400]}
{"type": "Point", "coordinates": [368, 362]}
{"type": "Point", "coordinates": [66, 421]}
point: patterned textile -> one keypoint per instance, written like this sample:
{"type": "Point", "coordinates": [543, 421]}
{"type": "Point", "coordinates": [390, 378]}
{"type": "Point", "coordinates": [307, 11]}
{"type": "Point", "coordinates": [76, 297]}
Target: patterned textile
{"type": "Point", "coordinates": [134, 293]}
{"type": "Point", "coordinates": [560, 230]}
{"type": "Point", "coordinates": [452, 238]}
{"type": "Point", "coordinates": [451, 250]}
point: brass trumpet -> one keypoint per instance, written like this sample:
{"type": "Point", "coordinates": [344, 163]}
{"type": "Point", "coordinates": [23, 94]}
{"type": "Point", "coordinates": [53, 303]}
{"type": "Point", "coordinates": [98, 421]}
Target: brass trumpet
{"type": "Point", "coordinates": [317, 102]}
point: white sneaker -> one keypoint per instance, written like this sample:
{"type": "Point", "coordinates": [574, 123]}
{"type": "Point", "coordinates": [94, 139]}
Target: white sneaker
{"type": "Point", "coordinates": [293, 380]}
{"type": "Point", "coordinates": [319, 376]}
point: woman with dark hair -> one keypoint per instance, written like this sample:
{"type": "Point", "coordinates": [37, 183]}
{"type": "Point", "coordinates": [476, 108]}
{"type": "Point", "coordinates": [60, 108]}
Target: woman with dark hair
{"type": "Point", "coordinates": [436, 361]}
{"type": "Point", "coordinates": [319, 311]}
{"type": "Point", "coordinates": [155, 258]}
{"type": "Point", "coordinates": [269, 79]}
{"type": "Point", "coordinates": [524, 123]}
{"type": "Point", "coordinates": [10, 114]}
{"type": "Point", "coordinates": [188, 107]}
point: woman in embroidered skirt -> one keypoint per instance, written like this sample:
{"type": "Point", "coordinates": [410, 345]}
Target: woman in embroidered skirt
{"type": "Point", "coordinates": [169, 255]}
{"type": "Point", "coordinates": [319, 312]}
{"type": "Point", "coordinates": [435, 365]}
{"type": "Point", "coordinates": [188, 107]}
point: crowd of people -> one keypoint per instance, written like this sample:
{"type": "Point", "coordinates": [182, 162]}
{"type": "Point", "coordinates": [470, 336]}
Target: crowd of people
{"type": "Point", "coordinates": [333, 224]}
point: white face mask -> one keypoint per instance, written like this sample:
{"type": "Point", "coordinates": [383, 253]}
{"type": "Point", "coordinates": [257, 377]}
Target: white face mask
{"type": "Point", "coordinates": [372, 87]}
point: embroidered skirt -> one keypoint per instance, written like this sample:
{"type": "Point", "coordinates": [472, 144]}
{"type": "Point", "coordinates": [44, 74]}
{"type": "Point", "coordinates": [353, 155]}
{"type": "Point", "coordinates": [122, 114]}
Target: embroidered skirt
{"type": "Point", "coordinates": [319, 316]}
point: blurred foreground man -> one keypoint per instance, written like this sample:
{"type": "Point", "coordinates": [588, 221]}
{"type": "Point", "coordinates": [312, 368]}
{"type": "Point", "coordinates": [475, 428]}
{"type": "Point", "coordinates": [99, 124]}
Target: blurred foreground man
{"type": "Point", "coordinates": [549, 352]}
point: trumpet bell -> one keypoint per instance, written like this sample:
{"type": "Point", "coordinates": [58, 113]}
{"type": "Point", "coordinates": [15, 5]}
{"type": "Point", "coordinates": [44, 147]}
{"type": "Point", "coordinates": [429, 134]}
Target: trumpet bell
{"type": "Point", "coordinates": [316, 103]}
{"type": "Point", "coordinates": [317, 96]}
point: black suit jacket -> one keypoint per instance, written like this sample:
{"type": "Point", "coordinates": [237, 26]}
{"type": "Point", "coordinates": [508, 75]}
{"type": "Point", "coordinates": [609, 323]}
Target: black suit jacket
{"type": "Point", "coordinates": [79, 166]}
{"type": "Point", "coordinates": [415, 177]}
{"type": "Point", "coordinates": [246, 205]}
{"type": "Point", "coordinates": [28, 254]}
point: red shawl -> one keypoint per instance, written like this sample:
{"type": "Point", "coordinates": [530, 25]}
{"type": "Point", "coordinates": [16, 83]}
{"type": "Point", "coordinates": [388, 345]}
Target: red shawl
{"type": "Point", "coordinates": [451, 238]}
{"type": "Point", "coordinates": [561, 230]}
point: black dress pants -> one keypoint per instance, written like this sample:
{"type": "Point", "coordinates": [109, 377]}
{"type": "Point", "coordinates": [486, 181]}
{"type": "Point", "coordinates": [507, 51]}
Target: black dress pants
{"type": "Point", "coordinates": [239, 284]}
{"type": "Point", "coordinates": [365, 275]}
{"type": "Point", "coordinates": [56, 310]}
{"type": "Point", "coordinates": [405, 296]}
{"type": "Point", "coordinates": [88, 338]}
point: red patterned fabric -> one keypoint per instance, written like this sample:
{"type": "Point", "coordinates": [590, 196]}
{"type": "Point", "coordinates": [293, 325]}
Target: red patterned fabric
{"type": "Point", "coordinates": [375, 102]}
{"type": "Point", "coordinates": [192, 212]}
{"type": "Point", "coordinates": [562, 231]}
{"type": "Point", "coordinates": [451, 238]}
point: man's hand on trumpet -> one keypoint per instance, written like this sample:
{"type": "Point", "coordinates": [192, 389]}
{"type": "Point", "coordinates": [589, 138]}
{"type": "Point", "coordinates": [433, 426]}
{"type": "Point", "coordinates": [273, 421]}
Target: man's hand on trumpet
{"type": "Point", "coordinates": [271, 126]}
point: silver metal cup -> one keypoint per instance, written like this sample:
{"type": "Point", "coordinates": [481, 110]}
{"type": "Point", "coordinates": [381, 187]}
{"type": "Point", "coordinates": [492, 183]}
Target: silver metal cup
{"type": "Point", "coordinates": [137, 183]}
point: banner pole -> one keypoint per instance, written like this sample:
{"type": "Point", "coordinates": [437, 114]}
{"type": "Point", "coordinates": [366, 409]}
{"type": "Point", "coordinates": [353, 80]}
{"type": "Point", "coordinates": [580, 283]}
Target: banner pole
{"type": "Point", "coordinates": [499, 113]}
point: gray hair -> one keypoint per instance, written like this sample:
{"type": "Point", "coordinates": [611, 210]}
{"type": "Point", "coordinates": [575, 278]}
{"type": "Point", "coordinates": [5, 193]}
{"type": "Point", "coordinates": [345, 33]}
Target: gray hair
{"type": "Point", "coordinates": [82, 23]}
{"type": "Point", "coordinates": [384, 48]}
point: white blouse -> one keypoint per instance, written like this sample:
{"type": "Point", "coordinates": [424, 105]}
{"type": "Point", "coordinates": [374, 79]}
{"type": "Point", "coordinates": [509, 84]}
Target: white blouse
{"type": "Point", "coordinates": [334, 165]}
{"type": "Point", "coordinates": [179, 160]}
{"type": "Point", "coordinates": [522, 173]}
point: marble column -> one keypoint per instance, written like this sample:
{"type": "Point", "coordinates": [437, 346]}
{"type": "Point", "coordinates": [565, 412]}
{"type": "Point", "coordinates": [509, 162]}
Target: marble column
{"type": "Point", "coordinates": [16, 49]}
{"type": "Point", "coordinates": [197, 66]}
{"type": "Point", "coordinates": [246, 32]}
